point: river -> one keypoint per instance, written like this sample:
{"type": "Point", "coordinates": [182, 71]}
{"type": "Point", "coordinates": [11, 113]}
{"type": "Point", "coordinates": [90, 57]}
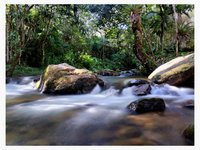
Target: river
{"type": "Point", "coordinates": [97, 118]}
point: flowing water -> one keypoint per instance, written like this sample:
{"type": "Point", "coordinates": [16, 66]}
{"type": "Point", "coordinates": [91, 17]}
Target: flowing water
{"type": "Point", "coordinates": [98, 118]}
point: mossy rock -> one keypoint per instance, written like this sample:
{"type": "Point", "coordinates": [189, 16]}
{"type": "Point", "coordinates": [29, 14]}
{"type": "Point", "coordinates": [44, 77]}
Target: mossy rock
{"type": "Point", "coordinates": [37, 84]}
{"type": "Point", "coordinates": [66, 79]}
{"type": "Point", "coordinates": [175, 72]}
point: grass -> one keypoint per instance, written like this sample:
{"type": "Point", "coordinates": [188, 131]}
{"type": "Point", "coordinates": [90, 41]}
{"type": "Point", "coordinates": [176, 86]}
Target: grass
{"type": "Point", "coordinates": [27, 71]}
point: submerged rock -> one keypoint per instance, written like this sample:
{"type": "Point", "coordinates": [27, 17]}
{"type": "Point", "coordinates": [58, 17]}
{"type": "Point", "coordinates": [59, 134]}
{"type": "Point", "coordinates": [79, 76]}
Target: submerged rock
{"type": "Point", "coordinates": [139, 86]}
{"type": "Point", "coordinates": [147, 105]}
{"type": "Point", "coordinates": [136, 82]}
{"type": "Point", "coordinates": [188, 133]}
{"type": "Point", "coordinates": [129, 73]}
{"type": "Point", "coordinates": [66, 79]}
{"type": "Point", "coordinates": [36, 79]}
{"type": "Point", "coordinates": [189, 104]}
{"type": "Point", "coordinates": [179, 72]}
{"type": "Point", "coordinates": [142, 89]}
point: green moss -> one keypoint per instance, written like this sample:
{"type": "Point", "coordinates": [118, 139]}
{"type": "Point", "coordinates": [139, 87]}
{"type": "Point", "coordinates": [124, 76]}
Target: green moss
{"type": "Point", "coordinates": [46, 73]}
{"type": "Point", "coordinates": [82, 71]}
{"type": "Point", "coordinates": [37, 85]}
{"type": "Point", "coordinates": [67, 79]}
{"type": "Point", "coordinates": [172, 67]}
{"type": "Point", "coordinates": [180, 69]}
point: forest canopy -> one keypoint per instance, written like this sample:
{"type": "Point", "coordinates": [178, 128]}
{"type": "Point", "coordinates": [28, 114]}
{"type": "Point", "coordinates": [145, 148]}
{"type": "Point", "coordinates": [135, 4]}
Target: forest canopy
{"type": "Point", "coordinates": [95, 37]}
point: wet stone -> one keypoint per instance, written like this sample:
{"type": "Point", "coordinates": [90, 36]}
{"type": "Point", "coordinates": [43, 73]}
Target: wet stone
{"type": "Point", "coordinates": [65, 79]}
{"type": "Point", "coordinates": [136, 82]}
{"type": "Point", "coordinates": [37, 78]}
{"type": "Point", "coordinates": [142, 89]}
{"type": "Point", "coordinates": [188, 133]}
{"type": "Point", "coordinates": [147, 105]}
{"type": "Point", "coordinates": [189, 104]}
{"type": "Point", "coordinates": [139, 86]}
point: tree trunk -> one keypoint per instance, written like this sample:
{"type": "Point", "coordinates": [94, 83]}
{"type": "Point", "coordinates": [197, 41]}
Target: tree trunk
{"type": "Point", "coordinates": [10, 70]}
{"type": "Point", "coordinates": [15, 51]}
{"type": "Point", "coordinates": [7, 42]}
{"type": "Point", "coordinates": [146, 62]}
{"type": "Point", "coordinates": [9, 28]}
{"type": "Point", "coordinates": [45, 37]}
{"type": "Point", "coordinates": [148, 42]}
{"type": "Point", "coordinates": [176, 28]}
{"type": "Point", "coordinates": [161, 27]}
{"type": "Point", "coordinates": [75, 10]}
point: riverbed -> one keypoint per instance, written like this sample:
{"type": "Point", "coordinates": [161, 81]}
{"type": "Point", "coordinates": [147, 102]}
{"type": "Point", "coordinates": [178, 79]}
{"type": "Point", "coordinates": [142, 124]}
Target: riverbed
{"type": "Point", "coordinates": [97, 118]}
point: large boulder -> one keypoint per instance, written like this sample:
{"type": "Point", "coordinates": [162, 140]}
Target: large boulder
{"type": "Point", "coordinates": [178, 72]}
{"type": "Point", "coordinates": [66, 79]}
{"type": "Point", "coordinates": [147, 105]}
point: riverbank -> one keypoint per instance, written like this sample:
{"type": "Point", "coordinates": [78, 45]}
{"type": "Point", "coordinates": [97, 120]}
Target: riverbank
{"type": "Point", "coordinates": [21, 71]}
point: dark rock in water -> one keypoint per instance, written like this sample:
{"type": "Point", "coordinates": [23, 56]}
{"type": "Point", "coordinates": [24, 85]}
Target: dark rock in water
{"type": "Point", "coordinates": [37, 78]}
{"type": "Point", "coordinates": [147, 105]}
{"type": "Point", "coordinates": [142, 89]}
{"type": "Point", "coordinates": [139, 86]}
{"type": "Point", "coordinates": [100, 82]}
{"type": "Point", "coordinates": [188, 133]}
{"type": "Point", "coordinates": [66, 79]}
{"type": "Point", "coordinates": [108, 73]}
{"type": "Point", "coordinates": [189, 104]}
{"type": "Point", "coordinates": [136, 82]}
{"type": "Point", "coordinates": [187, 83]}
{"type": "Point", "coordinates": [7, 80]}
{"type": "Point", "coordinates": [129, 73]}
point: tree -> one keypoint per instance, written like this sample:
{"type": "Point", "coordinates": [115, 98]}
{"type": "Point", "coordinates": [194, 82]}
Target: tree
{"type": "Point", "coordinates": [93, 36]}
{"type": "Point", "coordinates": [19, 34]}
{"type": "Point", "coordinates": [176, 28]}
{"type": "Point", "coordinates": [138, 50]}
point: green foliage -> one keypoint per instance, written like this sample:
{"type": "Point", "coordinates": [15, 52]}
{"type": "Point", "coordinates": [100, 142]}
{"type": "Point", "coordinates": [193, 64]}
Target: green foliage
{"type": "Point", "coordinates": [27, 71]}
{"type": "Point", "coordinates": [87, 61]}
{"type": "Point", "coordinates": [95, 37]}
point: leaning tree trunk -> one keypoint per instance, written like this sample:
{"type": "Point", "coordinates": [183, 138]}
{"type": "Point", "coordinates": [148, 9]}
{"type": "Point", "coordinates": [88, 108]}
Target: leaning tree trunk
{"type": "Point", "coordinates": [146, 62]}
